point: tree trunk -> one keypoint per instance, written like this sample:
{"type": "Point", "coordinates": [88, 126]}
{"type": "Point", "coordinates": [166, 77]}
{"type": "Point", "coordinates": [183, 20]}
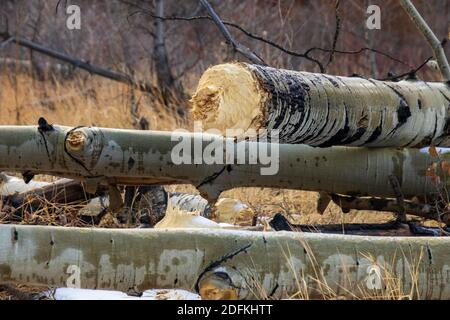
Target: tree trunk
{"type": "Point", "coordinates": [163, 72]}
{"type": "Point", "coordinates": [132, 157]}
{"type": "Point", "coordinates": [376, 204]}
{"type": "Point", "coordinates": [323, 110]}
{"type": "Point", "coordinates": [391, 228]}
{"type": "Point", "coordinates": [64, 191]}
{"type": "Point", "coordinates": [224, 263]}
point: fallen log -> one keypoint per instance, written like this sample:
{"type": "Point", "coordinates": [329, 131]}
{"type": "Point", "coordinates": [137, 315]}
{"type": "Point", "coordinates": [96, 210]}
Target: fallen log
{"type": "Point", "coordinates": [391, 228]}
{"type": "Point", "coordinates": [85, 65]}
{"type": "Point", "coordinates": [132, 157]}
{"type": "Point", "coordinates": [323, 110]}
{"type": "Point", "coordinates": [63, 191]}
{"type": "Point", "coordinates": [223, 263]}
{"type": "Point", "coordinates": [424, 210]}
{"type": "Point", "coordinates": [18, 198]}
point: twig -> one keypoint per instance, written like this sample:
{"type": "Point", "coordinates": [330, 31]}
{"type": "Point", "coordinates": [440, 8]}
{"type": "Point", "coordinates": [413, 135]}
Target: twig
{"type": "Point", "coordinates": [85, 65]}
{"type": "Point", "coordinates": [395, 184]}
{"type": "Point", "coordinates": [246, 52]}
{"type": "Point", "coordinates": [410, 73]}
{"type": "Point", "coordinates": [357, 52]}
{"type": "Point", "coordinates": [6, 42]}
{"type": "Point", "coordinates": [58, 4]}
{"type": "Point", "coordinates": [336, 33]}
{"type": "Point", "coordinates": [236, 26]}
{"type": "Point", "coordinates": [429, 35]}
{"type": "Point", "coordinates": [305, 55]}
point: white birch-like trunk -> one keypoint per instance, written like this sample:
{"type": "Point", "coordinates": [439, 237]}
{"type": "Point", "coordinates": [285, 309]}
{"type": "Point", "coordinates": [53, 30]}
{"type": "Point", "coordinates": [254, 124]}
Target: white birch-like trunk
{"type": "Point", "coordinates": [323, 110]}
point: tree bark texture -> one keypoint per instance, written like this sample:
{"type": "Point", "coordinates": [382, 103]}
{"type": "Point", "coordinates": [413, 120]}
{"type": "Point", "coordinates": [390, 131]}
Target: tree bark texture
{"type": "Point", "coordinates": [239, 264]}
{"type": "Point", "coordinates": [134, 157]}
{"type": "Point", "coordinates": [323, 110]}
{"type": "Point", "coordinates": [160, 56]}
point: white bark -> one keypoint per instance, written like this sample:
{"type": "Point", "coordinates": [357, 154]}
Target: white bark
{"type": "Point", "coordinates": [240, 264]}
{"type": "Point", "coordinates": [134, 157]}
{"type": "Point", "coordinates": [323, 110]}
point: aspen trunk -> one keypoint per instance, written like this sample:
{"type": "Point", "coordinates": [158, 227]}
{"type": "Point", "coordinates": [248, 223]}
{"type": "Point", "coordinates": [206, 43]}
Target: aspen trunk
{"type": "Point", "coordinates": [227, 264]}
{"type": "Point", "coordinates": [323, 110]}
{"type": "Point", "coordinates": [133, 157]}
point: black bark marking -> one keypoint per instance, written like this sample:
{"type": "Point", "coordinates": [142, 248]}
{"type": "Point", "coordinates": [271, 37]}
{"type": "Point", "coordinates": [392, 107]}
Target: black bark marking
{"type": "Point", "coordinates": [290, 110]}
{"type": "Point", "coordinates": [403, 113]}
{"type": "Point", "coordinates": [377, 132]}
{"type": "Point", "coordinates": [359, 133]}
{"type": "Point", "coordinates": [332, 80]}
{"type": "Point", "coordinates": [430, 255]}
{"type": "Point", "coordinates": [284, 102]}
{"type": "Point", "coordinates": [212, 177]}
{"type": "Point", "coordinates": [43, 127]}
{"type": "Point", "coordinates": [218, 262]}
{"type": "Point", "coordinates": [272, 292]}
{"type": "Point", "coordinates": [27, 176]}
{"type": "Point", "coordinates": [131, 163]}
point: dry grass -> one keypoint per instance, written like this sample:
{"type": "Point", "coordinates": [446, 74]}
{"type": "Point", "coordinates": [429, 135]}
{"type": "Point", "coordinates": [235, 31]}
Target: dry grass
{"type": "Point", "coordinates": [393, 283]}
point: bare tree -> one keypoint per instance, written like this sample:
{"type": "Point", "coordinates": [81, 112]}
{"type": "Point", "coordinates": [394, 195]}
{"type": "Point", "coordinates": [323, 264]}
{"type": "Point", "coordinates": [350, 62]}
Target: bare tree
{"type": "Point", "coordinates": [160, 56]}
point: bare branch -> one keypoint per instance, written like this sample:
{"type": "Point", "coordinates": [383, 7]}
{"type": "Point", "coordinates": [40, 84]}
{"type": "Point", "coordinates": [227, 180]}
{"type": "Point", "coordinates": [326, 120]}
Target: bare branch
{"type": "Point", "coordinates": [429, 35]}
{"type": "Point", "coordinates": [159, 54]}
{"type": "Point", "coordinates": [246, 52]}
{"type": "Point", "coordinates": [85, 65]}
{"type": "Point", "coordinates": [6, 42]}
{"type": "Point", "coordinates": [305, 55]}
{"type": "Point", "coordinates": [411, 73]}
{"type": "Point", "coordinates": [336, 33]}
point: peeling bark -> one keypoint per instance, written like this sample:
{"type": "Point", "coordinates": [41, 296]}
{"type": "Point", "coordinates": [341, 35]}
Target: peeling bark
{"type": "Point", "coordinates": [133, 157]}
{"type": "Point", "coordinates": [223, 263]}
{"type": "Point", "coordinates": [323, 110]}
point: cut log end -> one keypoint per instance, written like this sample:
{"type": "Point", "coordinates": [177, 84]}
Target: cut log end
{"type": "Point", "coordinates": [321, 110]}
{"type": "Point", "coordinates": [228, 96]}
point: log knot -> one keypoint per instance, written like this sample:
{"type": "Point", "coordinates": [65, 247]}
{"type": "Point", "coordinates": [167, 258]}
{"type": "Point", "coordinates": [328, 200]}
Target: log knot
{"type": "Point", "coordinates": [75, 141]}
